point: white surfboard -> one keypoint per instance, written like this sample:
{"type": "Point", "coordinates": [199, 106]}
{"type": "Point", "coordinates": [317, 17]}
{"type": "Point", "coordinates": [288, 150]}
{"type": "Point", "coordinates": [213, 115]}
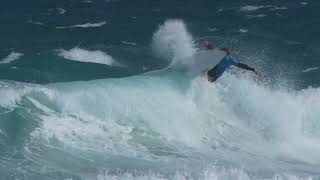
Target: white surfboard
{"type": "Point", "coordinates": [202, 60]}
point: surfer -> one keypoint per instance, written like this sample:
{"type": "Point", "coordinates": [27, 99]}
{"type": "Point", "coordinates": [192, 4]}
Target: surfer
{"type": "Point", "coordinates": [214, 73]}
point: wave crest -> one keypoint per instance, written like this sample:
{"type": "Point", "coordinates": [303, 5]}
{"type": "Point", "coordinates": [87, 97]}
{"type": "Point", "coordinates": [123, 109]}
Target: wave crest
{"type": "Point", "coordinates": [172, 41]}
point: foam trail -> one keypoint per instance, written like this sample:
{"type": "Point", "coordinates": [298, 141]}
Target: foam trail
{"type": "Point", "coordinates": [61, 10]}
{"type": "Point", "coordinates": [129, 43]}
{"type": "Point", "coordinates": [251, 8]}
{"type": "Point", "coordinates": [83, 55]}
{"type": "Point", "coordinates": [275, 8]}
{"type": "Point", "coordinates": [13, 56]}
{"type": "Point", "coordinates": [36, 22]}
{"type": "Point", "coordinates": [172, 41]}
{"type": "Point", "coordinates": [86, 25]}
{"type": "Point", "coordinates": [213, 29]}
{"type": "Point", "coordinates": [310, 69]}
{"type": "Point", "coordinates": [243, 30]}
{"type": "Point", "coordinates": [256, 16]}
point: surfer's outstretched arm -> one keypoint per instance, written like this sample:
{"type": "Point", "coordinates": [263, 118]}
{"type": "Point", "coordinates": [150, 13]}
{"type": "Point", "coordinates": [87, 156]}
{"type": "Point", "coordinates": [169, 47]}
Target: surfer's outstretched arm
{"type": "Point", "coordinates": [238, 64]}
{"type": "Point", "coordinates": [246, 67]}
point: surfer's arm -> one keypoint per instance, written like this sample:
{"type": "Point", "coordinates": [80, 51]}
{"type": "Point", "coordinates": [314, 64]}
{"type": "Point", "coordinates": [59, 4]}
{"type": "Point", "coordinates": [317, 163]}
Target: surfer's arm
{"type": "Point", "coordinates": [244, 66]}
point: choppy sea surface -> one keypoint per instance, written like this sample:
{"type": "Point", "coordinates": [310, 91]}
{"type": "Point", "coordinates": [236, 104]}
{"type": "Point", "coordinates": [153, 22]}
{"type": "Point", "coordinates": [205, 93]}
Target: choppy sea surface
{"type": "Point", "coordinates": [93, 90]}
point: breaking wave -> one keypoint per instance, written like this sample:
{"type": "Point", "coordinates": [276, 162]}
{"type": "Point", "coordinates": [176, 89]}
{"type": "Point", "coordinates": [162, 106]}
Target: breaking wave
{"type": "Point", "coordinates": [165, 125]}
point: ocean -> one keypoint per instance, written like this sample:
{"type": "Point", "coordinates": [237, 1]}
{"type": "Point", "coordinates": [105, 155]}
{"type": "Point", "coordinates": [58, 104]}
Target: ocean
{"type": "Point", "coordinates": [101, 89]}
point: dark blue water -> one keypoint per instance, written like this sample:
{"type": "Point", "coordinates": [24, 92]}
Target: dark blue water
{"type": "Point", "coordinates": [86, 92]}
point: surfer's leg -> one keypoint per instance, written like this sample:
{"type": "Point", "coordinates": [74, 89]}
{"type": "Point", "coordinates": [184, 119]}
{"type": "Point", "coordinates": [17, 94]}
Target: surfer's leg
{"type": "Point", "coordinates": [204, 72]}
{"type": "Point", "coordinates": [212, 78]}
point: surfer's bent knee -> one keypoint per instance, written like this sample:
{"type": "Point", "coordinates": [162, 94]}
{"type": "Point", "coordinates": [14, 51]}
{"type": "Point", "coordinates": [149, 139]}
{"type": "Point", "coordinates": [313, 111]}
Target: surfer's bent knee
{"type": "Point", "coordinates": [211, 78]}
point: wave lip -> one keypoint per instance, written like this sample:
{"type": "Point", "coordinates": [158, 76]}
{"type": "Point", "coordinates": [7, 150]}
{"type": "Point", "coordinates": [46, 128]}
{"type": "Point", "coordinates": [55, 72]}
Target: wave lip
{"type": "Point", "coordinates": [83, 55]}
{"type": "Point", "coordinates": [13, 56]}
{"type": "Point", "coordinates": [85, 25]}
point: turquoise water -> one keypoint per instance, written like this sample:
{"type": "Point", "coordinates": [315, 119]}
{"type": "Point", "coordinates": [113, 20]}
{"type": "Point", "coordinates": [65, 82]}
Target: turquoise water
{"type": "Point", "coordinates": [106, 90]}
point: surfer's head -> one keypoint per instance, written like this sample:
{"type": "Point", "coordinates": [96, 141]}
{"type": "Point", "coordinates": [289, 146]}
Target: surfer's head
{"type": "Point", "coordinates": [226, 50]}
{"type": "Point", "coordinates": [207, 44]}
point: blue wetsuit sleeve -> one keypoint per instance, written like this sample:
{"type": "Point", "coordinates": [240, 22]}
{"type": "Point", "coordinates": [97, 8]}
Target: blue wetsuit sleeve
{"type": "Point", "coordinates": [233, 61]}
{"type": "Point", "coordinates": [241, 65]}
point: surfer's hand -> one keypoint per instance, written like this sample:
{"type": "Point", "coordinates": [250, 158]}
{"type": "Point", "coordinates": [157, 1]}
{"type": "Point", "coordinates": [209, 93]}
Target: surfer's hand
{"type": "Point", "coordinates": [257, 72]}
{"type": "Point", "coordinates": [204, 72]}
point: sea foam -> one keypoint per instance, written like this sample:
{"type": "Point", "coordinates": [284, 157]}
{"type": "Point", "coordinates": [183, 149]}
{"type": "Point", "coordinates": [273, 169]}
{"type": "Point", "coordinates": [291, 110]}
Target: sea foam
{"type": "Point", "coordinates": [13, 56]}
{"type": "Point", "coordinates": [85, 25]}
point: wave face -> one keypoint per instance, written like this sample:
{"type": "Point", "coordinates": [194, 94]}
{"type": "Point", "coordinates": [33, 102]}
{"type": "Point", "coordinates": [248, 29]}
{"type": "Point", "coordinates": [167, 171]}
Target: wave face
{"type": "Point", "coordinates": [160, 125]}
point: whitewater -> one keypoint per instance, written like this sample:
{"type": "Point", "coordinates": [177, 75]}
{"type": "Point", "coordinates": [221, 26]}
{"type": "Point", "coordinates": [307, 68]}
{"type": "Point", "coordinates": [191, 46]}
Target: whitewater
{"type": "Point", "coordinates": [163, 124]}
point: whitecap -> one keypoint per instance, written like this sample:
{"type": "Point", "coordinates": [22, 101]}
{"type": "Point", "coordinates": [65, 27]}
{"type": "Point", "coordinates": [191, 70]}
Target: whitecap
{"type": "Point", "coordinates": [213, 29]}
{"type": "Point", "coordinates": [274, 8]}
{"type": "Point", "coordinates": [310, 69]}
{"type": "Point", "coordinates": [86, 25]}
{"type": "Point", "coordinates": [129, 43]}
{"type": "Point", "coordinates": [251, 8]}
{"type": "Point", "coordinates": [220, 10]}
{"type": "Point", "coordinates": [243, 30]}
{"type": "Point", "coordinates": [14, 67]}
{"type": "Point", "coordinates": [13, 56]}
{"type": "Point", "coordinates": [292, 42]}
{"type": "Point", "coordinates": [83, 55]}
{"type": "Point", "coordinates": [36, 22]}
{"type": "Point", "coordinates": [61, 10]}
{"type": "Point", "coordinates": [304, 3]}
{"type": "Point", "coordinates": [256, 16]}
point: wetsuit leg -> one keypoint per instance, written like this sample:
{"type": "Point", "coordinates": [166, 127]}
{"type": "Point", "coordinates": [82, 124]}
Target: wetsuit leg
{"type": "Point", "coordinates": [212, 74]}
